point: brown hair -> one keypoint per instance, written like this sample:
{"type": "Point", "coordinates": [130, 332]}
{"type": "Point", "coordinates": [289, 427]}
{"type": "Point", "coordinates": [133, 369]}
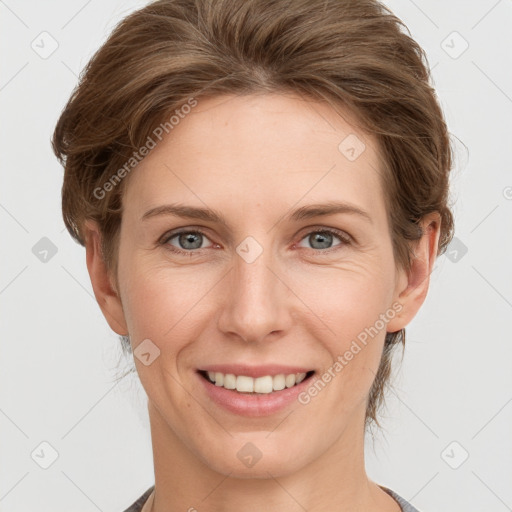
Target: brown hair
{"type": "Point", "coordinates": [351, 53]}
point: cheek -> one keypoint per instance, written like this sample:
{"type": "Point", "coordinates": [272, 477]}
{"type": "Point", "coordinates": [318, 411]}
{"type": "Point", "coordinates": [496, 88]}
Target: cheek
{"type": "Point", "coordinates": [162, 303]}
{"type": "Point", "coordinates": [351, 312]}
{"type": "Point", "coordinates": [346, 300]}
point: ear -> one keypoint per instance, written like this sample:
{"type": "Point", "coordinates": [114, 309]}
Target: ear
{"type": "Point", "coordinates": [412, 287]}
{"type": "Point", "coordinates": [102, 282]}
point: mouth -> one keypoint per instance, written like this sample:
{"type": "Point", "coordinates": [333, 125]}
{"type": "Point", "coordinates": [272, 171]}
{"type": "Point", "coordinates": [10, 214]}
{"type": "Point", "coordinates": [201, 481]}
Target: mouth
{"type": "Point", "coordinates": [263, 385]}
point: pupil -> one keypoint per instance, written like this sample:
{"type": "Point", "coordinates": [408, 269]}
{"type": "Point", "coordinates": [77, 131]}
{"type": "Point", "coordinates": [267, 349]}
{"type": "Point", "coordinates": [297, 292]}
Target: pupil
{"type": "Point", "coordinates": [189, 238]}
{"type": "Point", "coordinates": [324, 239]}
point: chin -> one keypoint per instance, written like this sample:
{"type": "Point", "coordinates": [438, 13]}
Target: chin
{"type": "Point", "coordinates": [262, 459]}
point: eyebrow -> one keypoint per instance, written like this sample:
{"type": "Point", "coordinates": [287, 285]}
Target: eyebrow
{"type": "Point", "coordinates": [302, 213]}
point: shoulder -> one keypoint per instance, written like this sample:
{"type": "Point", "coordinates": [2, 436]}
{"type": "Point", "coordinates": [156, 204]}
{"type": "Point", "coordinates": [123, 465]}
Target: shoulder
{"type": "Point", "coordinates": [137, 505]}
{"type": "Point", "coordinates": [404, 504]}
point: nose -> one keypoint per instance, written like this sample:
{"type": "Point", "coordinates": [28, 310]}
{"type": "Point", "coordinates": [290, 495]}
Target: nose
{"type": "Point", "coordinates": [257, 301]}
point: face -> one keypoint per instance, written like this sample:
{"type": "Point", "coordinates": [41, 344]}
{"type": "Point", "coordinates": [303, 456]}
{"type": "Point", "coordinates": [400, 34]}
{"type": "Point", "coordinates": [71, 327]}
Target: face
{"type": "Point", "coordinates": [264, 285]}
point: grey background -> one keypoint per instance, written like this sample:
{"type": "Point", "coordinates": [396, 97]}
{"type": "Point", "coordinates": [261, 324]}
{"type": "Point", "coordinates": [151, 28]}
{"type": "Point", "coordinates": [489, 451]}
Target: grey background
{"type": "Point", "coordinates": [453, 393]}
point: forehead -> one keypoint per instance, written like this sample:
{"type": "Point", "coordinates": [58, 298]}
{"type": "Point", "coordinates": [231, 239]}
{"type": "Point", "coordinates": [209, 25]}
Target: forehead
{"type": "Point", "coordinates": [272, 150]}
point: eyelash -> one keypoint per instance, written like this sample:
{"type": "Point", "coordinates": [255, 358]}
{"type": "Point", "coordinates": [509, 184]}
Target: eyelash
{"type": "Point", "coordinates": [345, 239]}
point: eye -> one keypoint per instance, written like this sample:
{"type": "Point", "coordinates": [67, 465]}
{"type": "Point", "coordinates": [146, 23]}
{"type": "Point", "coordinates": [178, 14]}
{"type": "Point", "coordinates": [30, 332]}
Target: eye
{"type": "Point", "coordinates": [322, 239]}
{"type": "Point", "coordinates": [187, 241]}
{"type": "Point", "coordinates": [190, 242]}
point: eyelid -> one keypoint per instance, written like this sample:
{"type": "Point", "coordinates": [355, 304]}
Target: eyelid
{"type": "Point", "coordinates": [178, 231]}
{"type": "Point", "coordinates": [345, 240]}
{"type": "Point", "coordinates": [343, 235]}
{"type": "Point", "coordinates": [166, 237]}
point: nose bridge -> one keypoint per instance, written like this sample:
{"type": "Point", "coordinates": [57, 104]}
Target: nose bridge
{"type": "Point", "coordinates": [255, 305]}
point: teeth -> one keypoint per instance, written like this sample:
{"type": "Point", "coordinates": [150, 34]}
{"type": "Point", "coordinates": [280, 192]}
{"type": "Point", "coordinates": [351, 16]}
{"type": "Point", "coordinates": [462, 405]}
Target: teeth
{"type": "Point", "coordinates": [229, 381]}
{"type": "Point", "coordinates": [300, 377]}
{"type": "Point", "coordinates": [290, 380]}
{"type": "Point", "coordinates": [266, 384]}
{"type": "Point", "coordinates": [243, 384]}
{"type": "Point", "coordinates": [278, 382]}
{"type": "Point", "coordinates": [263, 384]}
{"type": "Point", "coordinates": [219, 379]}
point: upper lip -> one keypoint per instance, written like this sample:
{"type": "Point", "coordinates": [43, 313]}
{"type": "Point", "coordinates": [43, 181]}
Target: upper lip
{"type": "Point", "coordinates": [254, 371]}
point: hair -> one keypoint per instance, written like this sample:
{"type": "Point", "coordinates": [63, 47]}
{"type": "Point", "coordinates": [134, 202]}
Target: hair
{"type": "Point", "coordinates": [353, 54]}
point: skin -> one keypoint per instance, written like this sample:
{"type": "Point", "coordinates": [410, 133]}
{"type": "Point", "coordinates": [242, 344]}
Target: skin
{"type": "Point", "coordinates": [255, 158]}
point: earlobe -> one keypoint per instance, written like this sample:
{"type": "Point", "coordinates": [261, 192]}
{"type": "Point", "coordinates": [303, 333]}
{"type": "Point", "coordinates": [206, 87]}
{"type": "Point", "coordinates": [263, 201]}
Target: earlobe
{"type": "Point", "coordinates": [412, 288]}
{"type": "Point", "coordinates": [102, 283]}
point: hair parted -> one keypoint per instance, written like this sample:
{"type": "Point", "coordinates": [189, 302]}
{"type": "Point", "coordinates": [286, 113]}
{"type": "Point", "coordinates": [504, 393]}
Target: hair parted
{"type": "Point", "coordinates": [353, 54]}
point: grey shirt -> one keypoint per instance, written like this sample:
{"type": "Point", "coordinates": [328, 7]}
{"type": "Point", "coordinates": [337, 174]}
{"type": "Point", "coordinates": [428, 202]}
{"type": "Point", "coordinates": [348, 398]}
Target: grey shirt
{"type": "Point", "coordinates": [404, 505]}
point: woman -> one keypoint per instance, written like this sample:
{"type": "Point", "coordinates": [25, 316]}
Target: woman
{"type": "Point", "coordinates": [261, 188]}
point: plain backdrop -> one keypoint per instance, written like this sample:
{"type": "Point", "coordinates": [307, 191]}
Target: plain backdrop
{"type": "Point", "coordinates": [446, 441]}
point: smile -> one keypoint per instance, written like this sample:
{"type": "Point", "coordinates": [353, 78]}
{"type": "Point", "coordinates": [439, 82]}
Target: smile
{"type": "Point", "coordinates": [265, 391]}
{"type": "Point", "coordinates": [259, 385]}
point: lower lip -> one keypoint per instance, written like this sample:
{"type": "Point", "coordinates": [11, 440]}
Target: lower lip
{"type": "Point", "coordinates": [254, 404]}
